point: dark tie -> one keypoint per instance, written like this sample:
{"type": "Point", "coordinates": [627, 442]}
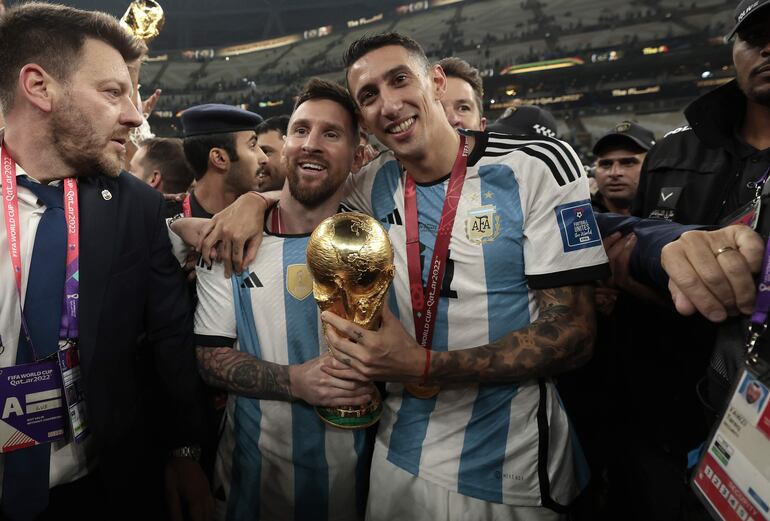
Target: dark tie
{"type": "Point", "coordinates": [25, 473]}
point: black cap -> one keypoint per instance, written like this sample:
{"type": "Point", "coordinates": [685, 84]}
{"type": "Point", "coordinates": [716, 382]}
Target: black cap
{"type": "Point", "coordinates": [216, 118]}
{"type": "Point", "coordinates": [745, 10]}
{"type": "Point", "coordinates": [629, 132]}
{"type": "Point", "coordinates": [526, 119]}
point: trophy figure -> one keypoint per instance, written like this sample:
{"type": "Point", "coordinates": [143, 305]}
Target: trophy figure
{"type": "Point", "coordinates": [143, 19]}
{"type": "Point", "coordinates": [350, 258]}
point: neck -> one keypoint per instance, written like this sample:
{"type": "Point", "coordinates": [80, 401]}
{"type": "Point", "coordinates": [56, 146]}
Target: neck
{"type": "Point", "coordinates": [621, 207]}
{"type": "Point", "coordinates": [32, 152]}
{"type": "Point", "coordinates": [756, 125]}
{"type": "Point", "coordinates": [440, 154]}
{"type": "Point", "coordinates": [212, 194]}
{"type": "Point", "coordinates": [297, 219]}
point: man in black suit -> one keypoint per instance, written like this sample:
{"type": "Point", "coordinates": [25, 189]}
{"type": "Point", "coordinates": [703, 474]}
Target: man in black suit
{"type": "Point", "coordinates": [66, 98]}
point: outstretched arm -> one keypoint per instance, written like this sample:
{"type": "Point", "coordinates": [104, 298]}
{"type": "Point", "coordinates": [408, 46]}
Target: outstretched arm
{"type": "Point", "coordinates": [560, 339]}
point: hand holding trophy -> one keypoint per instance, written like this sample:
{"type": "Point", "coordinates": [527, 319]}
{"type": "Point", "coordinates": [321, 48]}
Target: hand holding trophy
{"type": "Point", "coordinates": [350, 258]}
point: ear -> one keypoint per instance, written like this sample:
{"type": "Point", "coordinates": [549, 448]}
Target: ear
{"type": "Point", "coordinates": [38, 87]}
{"type": "Point", "coordinates": [219, 159]}
{"type": "Point", "coordinates": [483, 124]}
{"type": "Point", "coordinates": [155, 179]}
{"type": "Point", "coordinates": [438, 77]}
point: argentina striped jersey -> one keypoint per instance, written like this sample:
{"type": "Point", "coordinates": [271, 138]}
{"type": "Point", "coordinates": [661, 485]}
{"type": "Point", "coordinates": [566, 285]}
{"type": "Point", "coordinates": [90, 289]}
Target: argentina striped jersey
{"type": "Point", "coordinates": [524, 222]}
{"type": "Point", "coordinates": [277, 460]}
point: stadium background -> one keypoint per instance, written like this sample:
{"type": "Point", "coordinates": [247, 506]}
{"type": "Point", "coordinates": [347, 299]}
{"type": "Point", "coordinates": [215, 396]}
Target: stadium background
{"type": "Point", "coordinates": [592, 63]}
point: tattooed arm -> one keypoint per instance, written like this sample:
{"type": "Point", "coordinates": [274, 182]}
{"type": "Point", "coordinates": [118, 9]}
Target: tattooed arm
{"type": "Point", "coordinates": [243, 374]}
{"type": "Point", "coordinates": [559, 340]}
{"type": "Point", "coordinates": [246, 375]}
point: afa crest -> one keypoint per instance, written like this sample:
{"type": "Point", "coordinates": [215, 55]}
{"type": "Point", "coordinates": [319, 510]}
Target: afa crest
{"type": "Point", "coordinates": [299, 283]}
{"type": "Point", "coordinates": [482, 224]}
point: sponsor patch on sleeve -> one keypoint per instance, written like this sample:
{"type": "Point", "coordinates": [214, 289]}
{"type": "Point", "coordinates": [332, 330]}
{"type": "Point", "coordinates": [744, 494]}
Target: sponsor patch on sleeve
{"type": "Point", "coordinates": [577, 226]}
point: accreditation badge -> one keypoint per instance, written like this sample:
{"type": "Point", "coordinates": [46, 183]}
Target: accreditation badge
{"type": "Point", "coordinates": [33, 410]}
{"type": "Point", "coordinates": [733, 475]}
{"type": "Point", "coordinates": [69, 366]}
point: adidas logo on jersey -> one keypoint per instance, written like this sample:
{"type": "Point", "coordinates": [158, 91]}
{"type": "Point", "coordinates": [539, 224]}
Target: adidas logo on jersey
{"type": "Point", "coordinates": [202, 264]}
{"type": "Point", "coordinates": [252, 281]}
{"type": "Point", "coordinates": [393, 218]}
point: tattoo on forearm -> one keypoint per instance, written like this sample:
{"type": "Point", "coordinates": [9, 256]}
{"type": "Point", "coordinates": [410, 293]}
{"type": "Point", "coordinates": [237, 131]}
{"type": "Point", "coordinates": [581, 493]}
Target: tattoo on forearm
{"type": "Point", "coordinates": [243, 374]}
{"type": "Point", "coordinates": [559, 340]}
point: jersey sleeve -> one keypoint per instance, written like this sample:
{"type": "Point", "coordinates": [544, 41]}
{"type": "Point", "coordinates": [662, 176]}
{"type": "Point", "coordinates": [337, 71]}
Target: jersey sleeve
{"type": "Point", "coordinates": [215, 313]}
{"type": "Point", "coordinates": [562, 243]}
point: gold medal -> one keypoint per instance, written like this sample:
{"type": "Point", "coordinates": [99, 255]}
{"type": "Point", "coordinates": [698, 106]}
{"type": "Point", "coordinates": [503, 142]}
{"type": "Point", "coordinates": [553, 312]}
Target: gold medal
{"type": "Point", "coordinates": [423, 392]}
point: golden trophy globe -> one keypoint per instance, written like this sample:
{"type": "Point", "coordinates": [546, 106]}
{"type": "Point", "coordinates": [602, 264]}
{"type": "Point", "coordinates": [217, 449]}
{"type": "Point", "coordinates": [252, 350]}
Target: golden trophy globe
{"type": "Point", "coordinates": [143, 19]}
{"type": "Point", "coordinates": [350, 258]}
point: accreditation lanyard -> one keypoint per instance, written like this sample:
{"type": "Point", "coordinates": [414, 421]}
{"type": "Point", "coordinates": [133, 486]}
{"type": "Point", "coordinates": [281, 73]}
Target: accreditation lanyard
{"type": "Point", "coordinates": [762, 304]}
{"type": "Point", "coordinates": [733, 475]}
{"type": "Point", "coordinates": [68, 329]}
{"type": "Point", "coordinates": [424, 308]}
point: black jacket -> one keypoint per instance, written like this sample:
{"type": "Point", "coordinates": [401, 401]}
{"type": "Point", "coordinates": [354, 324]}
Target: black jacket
{"type": "Point", "coordinates": [686, 176]}
{"type": "Point", "coordinates": [693, 176]}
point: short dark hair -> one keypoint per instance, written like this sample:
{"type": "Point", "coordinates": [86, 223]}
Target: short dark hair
{"type": "Point", "coordinates": [369, 43]}
{"type": "Point", "coordinates": [197, 148]}
{"type": "Point", "coordinates": [278, 124]}
{"type": "Point", "coordinates": [53, 37]}
{"type": "Point", "coordinates": [458, 68]}
{"type": "Point", "coordinates": [167, 156]}
{"type": "Point", "coordinates": [316, 88]}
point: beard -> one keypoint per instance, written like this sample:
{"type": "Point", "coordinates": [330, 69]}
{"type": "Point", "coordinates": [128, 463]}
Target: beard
{"type": "Point", "coordinates": [310, 197]}
{"type": "Point", "coordinates": [78, 144]}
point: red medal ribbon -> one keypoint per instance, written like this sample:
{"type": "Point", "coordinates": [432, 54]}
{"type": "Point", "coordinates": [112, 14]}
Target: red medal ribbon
{"type": "Point", "coordinates": [424, 309]}
{"type": "Point", "coordinates": [186, 210]}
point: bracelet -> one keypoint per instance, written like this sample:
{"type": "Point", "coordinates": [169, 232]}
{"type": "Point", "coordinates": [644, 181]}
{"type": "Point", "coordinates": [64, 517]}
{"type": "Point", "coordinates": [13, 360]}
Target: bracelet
{"type": "Point", "coordinates": [426, 371]}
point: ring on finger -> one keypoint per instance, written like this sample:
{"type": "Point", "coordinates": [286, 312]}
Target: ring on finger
{"type": "Point", "coordinates": [723, 249]}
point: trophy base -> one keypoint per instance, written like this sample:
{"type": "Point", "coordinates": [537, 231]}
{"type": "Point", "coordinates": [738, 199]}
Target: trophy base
{"type": "Point", "coordinates": [352, 416]}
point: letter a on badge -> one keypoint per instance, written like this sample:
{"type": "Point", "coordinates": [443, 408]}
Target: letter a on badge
{"type": "Point", "coordinates": [12, 405]}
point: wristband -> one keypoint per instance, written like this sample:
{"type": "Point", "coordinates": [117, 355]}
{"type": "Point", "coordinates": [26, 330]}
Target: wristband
{"type": "Point", "coordinates": [192, 452]}
{"type": "Point", "coordinates": [426, 371]}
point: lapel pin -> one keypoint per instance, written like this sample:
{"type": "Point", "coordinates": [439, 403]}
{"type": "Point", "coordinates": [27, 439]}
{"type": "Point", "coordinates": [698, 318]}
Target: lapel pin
{"type": "Point", "coordinates": [106, 195]}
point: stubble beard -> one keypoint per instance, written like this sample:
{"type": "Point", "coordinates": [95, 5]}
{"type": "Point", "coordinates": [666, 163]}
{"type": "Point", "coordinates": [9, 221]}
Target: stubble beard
{"type": "Point", "coordinates": [75, 140]}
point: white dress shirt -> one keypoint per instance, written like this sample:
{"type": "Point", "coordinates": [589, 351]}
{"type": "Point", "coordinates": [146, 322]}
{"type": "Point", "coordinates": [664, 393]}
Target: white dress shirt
{"type": "Point", "coordinates": [68, 459]}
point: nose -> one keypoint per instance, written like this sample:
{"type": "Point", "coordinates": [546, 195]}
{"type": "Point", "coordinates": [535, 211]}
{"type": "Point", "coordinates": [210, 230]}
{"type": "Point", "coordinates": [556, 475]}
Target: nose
{"type": "Point", "coordinates": [129, 115]}
{"type": "Point", "coordinates": [453, 118]}
{"type": "Point", "coordinates": [616, 170]}
{"type": "Point", "coordinates": [391, 103]}
{"type": "Point", "coordinates": [261, 157]}
{"type": "Point", "coordinates": [311, 143]}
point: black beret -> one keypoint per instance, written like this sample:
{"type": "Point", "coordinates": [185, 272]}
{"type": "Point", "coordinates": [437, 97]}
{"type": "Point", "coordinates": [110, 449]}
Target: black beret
{"type": "Point", "coordinates": [216, 118]}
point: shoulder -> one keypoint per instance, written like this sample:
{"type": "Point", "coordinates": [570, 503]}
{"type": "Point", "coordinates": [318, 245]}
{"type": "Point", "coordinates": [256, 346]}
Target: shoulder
{"type": "Point", "coordinates": [681, 148]}
{"type": "Point", "coordinates": [523, 152]}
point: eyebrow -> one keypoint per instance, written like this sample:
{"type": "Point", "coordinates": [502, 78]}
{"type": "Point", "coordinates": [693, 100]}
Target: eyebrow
{"type": "Point", "coordinates": [387, 74]}
{"type": "Point", "coordinates": [326, 124]}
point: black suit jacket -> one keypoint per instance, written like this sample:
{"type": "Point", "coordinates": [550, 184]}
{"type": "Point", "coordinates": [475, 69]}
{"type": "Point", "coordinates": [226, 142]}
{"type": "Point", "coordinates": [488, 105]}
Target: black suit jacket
{"type": "Point", "coordinates": [143, 391]}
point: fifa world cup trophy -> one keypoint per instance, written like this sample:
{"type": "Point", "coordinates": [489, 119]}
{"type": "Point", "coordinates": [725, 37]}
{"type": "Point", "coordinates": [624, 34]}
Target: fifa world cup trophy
{"type": "Point", "coordinates": [350, 258]}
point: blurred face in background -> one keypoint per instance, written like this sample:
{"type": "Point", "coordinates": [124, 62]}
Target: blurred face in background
{"type": "Point", "coordinates": [272, 176]}
{"type": "Point", "coordinates": [617, 175]}
{"type": "Point", "coordinates": [751, 56]}
{"type": "Point", "coordinates": [461, 106]}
